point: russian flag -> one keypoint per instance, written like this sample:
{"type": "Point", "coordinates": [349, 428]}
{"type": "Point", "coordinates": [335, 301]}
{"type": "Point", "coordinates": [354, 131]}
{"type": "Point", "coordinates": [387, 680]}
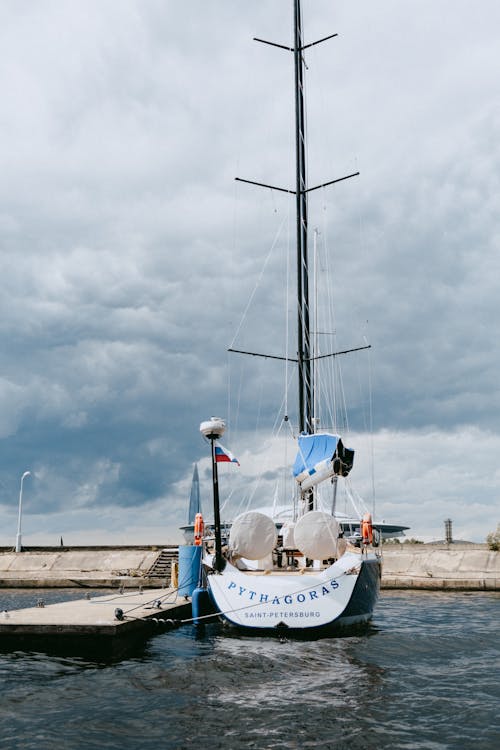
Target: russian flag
{"type": "Point", "coordinates": [223, 455]}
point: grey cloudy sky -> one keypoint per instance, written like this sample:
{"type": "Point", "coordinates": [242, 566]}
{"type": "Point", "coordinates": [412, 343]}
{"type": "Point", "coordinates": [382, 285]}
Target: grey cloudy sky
{"type": "Point", "coordinates": [128, 252]}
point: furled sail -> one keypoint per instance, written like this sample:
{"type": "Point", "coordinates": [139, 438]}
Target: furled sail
{"type": "Point", "coordinates": [320, 457]}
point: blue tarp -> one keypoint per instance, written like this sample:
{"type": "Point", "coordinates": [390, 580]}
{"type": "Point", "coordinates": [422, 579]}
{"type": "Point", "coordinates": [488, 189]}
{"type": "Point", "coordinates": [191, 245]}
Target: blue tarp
{"type": "Point", "coordinates": [312, 450]}
{"type": "Point", "coordinates": [315, 451]}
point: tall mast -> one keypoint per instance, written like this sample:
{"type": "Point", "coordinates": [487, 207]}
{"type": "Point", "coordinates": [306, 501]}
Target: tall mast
{"type": "Point", "coordinates": [304, 356]}
{"type": "Point", "coordinates": [306, 399]}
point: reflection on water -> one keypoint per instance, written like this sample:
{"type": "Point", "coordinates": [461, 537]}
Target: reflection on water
{"type": "Point", "coordinates": [421, 677]}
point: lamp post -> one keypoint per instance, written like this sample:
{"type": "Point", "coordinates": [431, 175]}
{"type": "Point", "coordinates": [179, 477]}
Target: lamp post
{"type": "Point", "coordinates": [18, 537]}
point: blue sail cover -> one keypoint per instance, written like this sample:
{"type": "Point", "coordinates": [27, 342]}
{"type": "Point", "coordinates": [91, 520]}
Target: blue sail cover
{"type": "Point", "coordinates": [321, 456]}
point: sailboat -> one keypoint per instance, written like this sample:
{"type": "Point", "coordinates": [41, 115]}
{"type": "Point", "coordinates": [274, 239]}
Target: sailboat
{"type": "Point", "coordinates": [301, 575]}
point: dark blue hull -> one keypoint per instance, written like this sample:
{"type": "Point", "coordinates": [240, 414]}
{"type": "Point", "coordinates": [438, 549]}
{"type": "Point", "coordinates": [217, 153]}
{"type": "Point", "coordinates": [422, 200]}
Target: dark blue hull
{"type": "Point", "coordinates": [365, 594]}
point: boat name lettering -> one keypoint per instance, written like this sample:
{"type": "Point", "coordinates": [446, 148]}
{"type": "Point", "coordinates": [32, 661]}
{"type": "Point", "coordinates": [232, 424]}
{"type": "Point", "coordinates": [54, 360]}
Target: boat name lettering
{"type": "Point", "coordinates": [298, 598]}
{"type": "Point", "coordinates": [280, 615]}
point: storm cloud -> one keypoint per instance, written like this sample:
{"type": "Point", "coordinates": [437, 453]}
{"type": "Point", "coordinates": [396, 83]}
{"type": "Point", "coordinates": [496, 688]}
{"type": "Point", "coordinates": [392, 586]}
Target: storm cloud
{"type": "Point", "coordinates": [128, 253]}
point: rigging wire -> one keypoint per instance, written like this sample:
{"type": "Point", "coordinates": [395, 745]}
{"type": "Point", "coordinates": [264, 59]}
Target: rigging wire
{"type": "Point", "coordinates": [259, 279]}
{"type": "Point", "coordinates": [372, 444]}
{"type": "Point", "coordinates": [330, 370]}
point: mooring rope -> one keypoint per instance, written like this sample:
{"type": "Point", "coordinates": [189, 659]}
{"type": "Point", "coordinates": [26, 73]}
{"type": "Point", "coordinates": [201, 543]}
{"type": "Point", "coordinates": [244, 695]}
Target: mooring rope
{"type": "Point", "coordinates": [234, 610]}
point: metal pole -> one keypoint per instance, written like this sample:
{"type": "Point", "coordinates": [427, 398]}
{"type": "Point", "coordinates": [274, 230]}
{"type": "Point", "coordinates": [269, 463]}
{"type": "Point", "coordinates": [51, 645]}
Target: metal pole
{"type": "Point", "coordinates": [219, 562]}
{"type": "Point", "coordinates": [303, 325]}
{"type": "Point", "coordinates": [334, 499]}
{"type": "Point", "coordinates": [18, 537]}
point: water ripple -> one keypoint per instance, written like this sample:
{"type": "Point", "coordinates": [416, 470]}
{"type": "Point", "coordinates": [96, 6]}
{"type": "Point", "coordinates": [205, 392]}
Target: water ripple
{"type": "Point", "coordinates": [423, 677]}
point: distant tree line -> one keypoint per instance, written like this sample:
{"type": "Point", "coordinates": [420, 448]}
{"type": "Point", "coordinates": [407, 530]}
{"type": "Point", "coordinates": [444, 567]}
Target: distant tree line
{"type": "Point", "coordinates": [493, 539]}
{"type": "Point", "coordinates": [396, 540]}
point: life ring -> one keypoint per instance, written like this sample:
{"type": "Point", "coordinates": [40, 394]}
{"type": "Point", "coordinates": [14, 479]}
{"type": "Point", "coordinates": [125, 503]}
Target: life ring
{"type": "Point", "coordinates": [198, 529]}
{"type": "Point", "coordinates": [367, 529]}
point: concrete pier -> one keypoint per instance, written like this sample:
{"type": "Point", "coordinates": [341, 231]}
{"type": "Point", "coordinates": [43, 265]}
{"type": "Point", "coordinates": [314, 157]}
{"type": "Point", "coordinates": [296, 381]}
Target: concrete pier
{"type": "Point", "coordinates": [405, 566]}
{"type": "Point", "coordinates": [97, 621]}
{"type": "Point", "coordinates": [444, 567]}
{"type": "Point", "coordinates": [87, 567]}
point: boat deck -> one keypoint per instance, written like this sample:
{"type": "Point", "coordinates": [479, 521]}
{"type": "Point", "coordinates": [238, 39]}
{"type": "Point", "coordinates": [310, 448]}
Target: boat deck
{"type": "Point", "coordinates": [299, 569]}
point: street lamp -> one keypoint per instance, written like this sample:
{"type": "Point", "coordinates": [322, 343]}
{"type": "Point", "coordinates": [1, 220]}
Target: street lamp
{"type": "Point", "coordinates": [18, 537]}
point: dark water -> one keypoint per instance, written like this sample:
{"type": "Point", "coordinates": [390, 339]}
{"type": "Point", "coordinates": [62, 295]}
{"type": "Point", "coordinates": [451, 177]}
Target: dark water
{"type": "Point", "coordinates": [426, 675]}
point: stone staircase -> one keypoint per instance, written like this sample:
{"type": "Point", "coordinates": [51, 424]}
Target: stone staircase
{"type": "Point", "coordinates": [162, 566]}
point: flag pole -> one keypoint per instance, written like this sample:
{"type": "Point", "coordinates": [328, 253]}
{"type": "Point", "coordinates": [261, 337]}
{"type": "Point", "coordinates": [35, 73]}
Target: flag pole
{"type": "Point", "coordinates": [219, 562]}
{"type": "Point", "coordinates": [212, 430]}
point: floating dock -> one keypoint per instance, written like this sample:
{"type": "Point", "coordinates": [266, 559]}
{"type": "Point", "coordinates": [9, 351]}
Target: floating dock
{"type": "Point", "coordinates": [98, 622]}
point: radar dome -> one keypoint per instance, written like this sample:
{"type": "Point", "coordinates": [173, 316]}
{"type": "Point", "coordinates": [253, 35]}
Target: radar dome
{"type": "Point", "coordinates": [213, 428]}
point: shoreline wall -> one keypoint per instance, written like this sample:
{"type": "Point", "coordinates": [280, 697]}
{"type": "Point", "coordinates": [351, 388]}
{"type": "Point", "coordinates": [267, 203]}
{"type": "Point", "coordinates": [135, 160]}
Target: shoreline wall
{"type": "Point", "coordinates": [406, 566]}
{"type": "Point", "coordinates": [449, 567]}
{"type": "Point", "coordinates": [87, 567]}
